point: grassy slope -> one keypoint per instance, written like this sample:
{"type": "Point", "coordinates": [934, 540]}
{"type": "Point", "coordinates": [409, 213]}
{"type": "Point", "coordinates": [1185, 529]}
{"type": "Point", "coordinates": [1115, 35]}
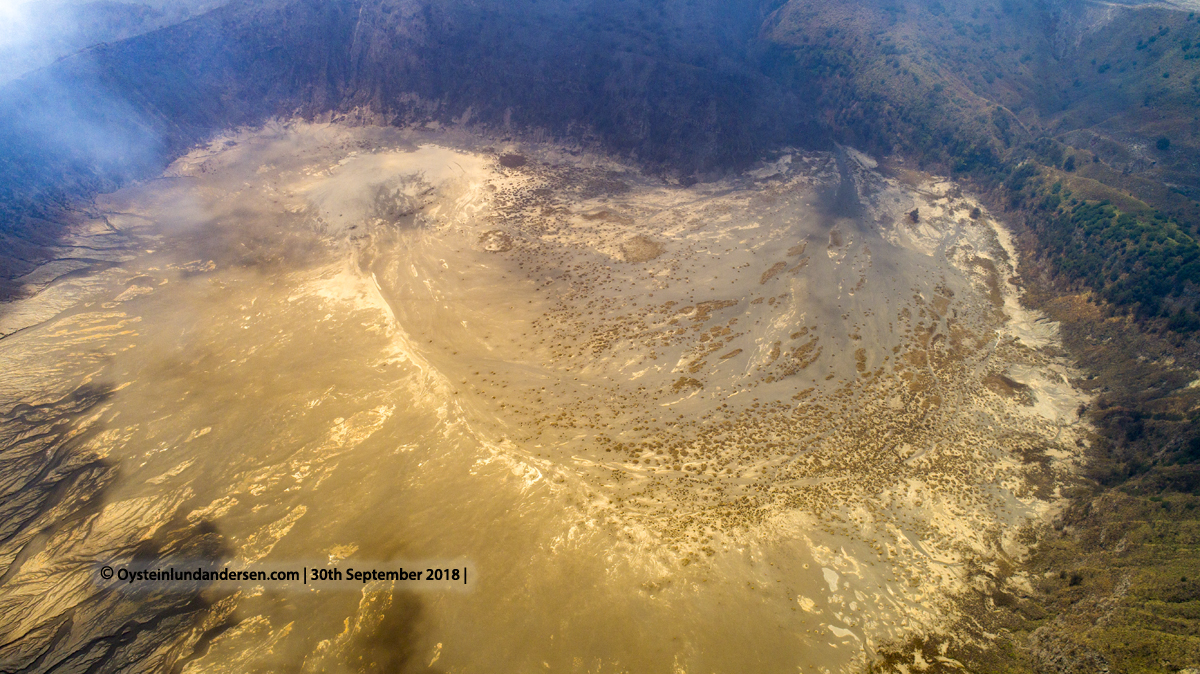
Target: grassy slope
{"type": "Point", "coordinates": [977, 88]}
{"type": "Point", "coordinates": [1115, 581]}
{"type": "Point", "coordinates": [909, 76]}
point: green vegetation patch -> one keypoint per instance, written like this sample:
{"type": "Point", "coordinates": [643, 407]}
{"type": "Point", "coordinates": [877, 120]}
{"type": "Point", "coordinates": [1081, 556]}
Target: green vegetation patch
{"type": "Point", "coordinates": [1142, 261]}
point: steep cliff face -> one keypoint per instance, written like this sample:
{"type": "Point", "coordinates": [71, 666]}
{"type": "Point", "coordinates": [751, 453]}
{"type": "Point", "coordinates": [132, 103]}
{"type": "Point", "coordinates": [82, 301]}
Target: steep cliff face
{"type": "Point", "coordinates": [685, 86]}
{"type": "Point", "coordinates": [679, 83]}
{"type": "Point", "coordinates": [38, 33]}
{"type": "Point", "coordinates": [692, 87]}
{"type": "Point", "coordinates": [117, 112]}
{"type": "Point", "coordinates": [673, 83]}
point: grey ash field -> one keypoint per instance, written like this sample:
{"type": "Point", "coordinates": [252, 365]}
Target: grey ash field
{"type": "Point", "coordinates": [758, 424]}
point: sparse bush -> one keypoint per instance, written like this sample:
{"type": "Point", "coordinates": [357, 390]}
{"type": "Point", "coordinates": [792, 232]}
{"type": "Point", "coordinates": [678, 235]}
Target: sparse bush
{"type": "Point", "coordinates": [1184, 321]}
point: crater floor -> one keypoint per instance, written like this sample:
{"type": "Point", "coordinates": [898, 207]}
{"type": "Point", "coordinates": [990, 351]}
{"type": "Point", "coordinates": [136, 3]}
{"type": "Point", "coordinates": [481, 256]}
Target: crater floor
{"type": "Point", "coordinates": [752, 425]}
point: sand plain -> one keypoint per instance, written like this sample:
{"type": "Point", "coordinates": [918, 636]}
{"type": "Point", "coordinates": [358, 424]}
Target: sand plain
{"type": "Point", "coordinates": [768, 422]}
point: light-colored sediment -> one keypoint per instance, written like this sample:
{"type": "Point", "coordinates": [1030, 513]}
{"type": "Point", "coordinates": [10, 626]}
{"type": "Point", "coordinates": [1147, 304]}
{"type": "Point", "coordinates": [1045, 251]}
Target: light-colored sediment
{"type": "Point", "coordinates": [720, 397]}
